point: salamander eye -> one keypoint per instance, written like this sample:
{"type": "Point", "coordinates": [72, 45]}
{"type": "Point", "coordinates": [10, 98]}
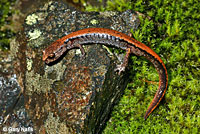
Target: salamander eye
{"type": "Point", "coordinates": [52, 55]}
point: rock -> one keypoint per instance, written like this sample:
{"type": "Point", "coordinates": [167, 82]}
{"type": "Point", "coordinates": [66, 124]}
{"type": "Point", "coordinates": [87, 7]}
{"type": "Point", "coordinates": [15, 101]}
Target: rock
{"type": "Point", "coordinates": [73, 95]}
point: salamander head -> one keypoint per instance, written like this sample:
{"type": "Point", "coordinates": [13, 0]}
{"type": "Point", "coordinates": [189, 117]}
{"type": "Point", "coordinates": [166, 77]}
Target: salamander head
{"type": "Point", "coordinates": [53, 52]}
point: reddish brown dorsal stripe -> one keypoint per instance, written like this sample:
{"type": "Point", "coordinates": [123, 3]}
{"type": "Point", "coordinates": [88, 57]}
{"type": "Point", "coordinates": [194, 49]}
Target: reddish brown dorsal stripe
{"type": "Point", "coordinates": [117, 39]}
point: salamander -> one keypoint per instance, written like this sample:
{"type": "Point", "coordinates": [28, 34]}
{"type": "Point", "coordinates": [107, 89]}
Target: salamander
{"type": "Point", "coordinates": [116, 39]}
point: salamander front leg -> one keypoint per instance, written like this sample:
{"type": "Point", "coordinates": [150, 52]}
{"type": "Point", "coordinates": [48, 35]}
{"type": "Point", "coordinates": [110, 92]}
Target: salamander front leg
{"type": "Point", "coordinates": [82, 50]}
{"type": "Point", "coordinates": [122, 66]}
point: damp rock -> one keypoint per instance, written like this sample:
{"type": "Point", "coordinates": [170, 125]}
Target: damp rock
{"type": "Point", "coordinates": [74, 95]}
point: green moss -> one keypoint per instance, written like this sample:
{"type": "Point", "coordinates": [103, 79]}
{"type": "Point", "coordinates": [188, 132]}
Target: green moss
{"type": "Point", "coordinates": [173, 32]}
{"type": "Point", "coordinates": [5, 33]}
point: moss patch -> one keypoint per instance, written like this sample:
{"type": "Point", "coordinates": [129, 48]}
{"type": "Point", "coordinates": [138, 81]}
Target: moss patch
{"type": "Point", "coordinates": [5, 33]}
{"type": "Point", "coordinates": [171, 29]}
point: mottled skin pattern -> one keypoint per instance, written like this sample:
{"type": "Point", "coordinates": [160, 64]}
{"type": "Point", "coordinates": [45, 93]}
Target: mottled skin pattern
{"type": "Point", "coordinates": [116, 39]}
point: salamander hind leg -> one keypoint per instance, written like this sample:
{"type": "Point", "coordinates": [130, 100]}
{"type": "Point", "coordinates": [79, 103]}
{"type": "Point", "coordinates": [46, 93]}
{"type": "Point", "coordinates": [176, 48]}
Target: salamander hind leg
{"type": "Point", "coordinates": [120, 68]}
